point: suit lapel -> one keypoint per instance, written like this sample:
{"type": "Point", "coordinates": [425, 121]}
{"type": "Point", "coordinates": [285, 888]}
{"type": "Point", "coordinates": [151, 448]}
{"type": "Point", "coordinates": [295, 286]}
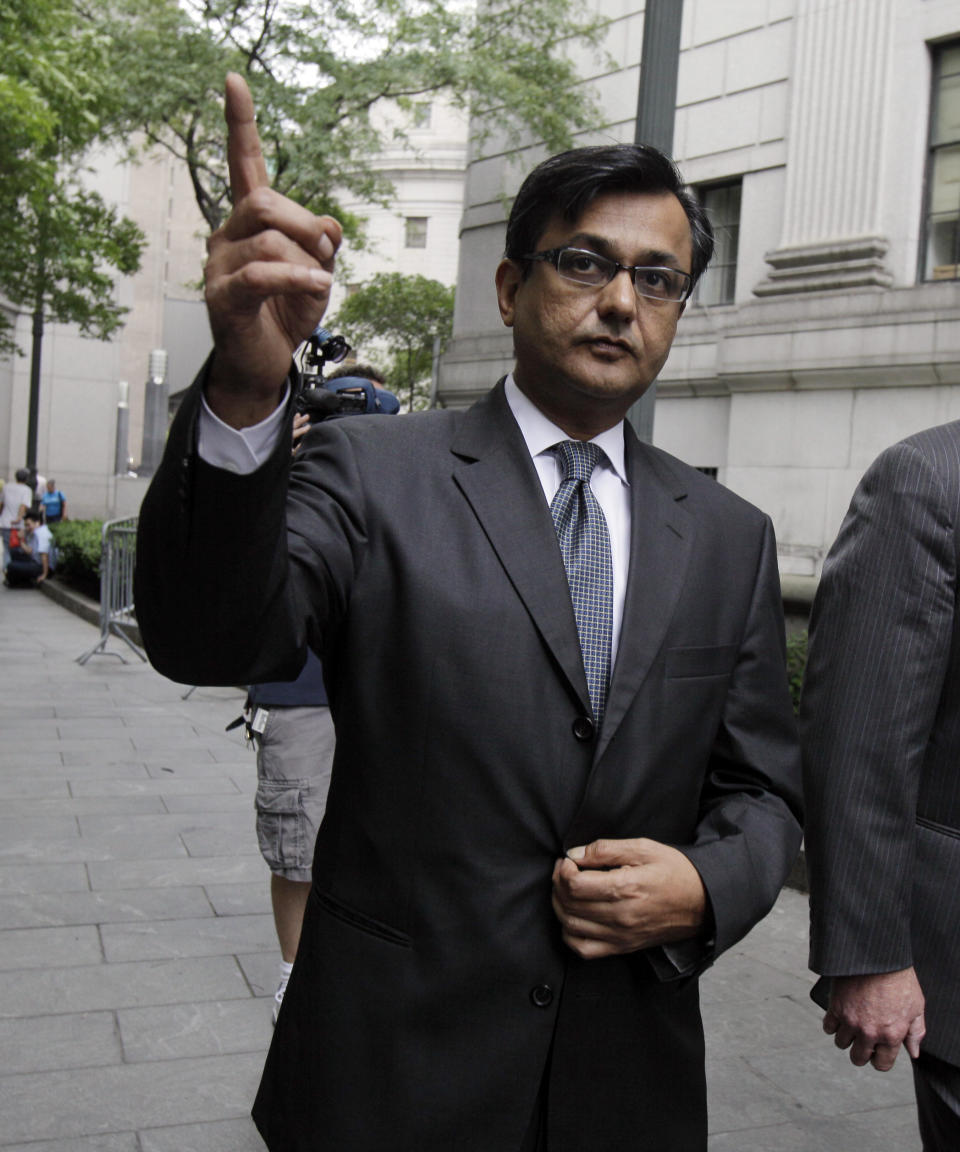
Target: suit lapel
{"type": "Point", "coordinates": [500, 482]}
{"type": "Point", "coordinates": [661, 536]}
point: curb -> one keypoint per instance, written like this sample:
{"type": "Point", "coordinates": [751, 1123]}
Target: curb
{"type": "Point", "coordinates": [82, 606]}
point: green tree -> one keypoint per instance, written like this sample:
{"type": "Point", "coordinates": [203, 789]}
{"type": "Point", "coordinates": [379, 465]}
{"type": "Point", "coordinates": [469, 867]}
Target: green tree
{"type": "Point", "coordinates": [317, 70]}
{"type": "Point", "coordinates": [62, 242]}
{"type": "Point", "coordinates": [410, 316]}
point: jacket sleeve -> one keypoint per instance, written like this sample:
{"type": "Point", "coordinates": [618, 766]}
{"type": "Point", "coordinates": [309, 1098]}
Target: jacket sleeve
{"type": "Point", "coordinates": [880, 644]}
{"type": "Point", "coordinates": [225, 591]}
{"type": "Point", "coordinates": [749, 831]}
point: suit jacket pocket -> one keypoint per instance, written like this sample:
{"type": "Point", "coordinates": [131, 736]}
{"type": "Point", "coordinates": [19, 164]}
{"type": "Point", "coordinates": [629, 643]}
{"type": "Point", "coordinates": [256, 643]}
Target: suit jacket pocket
{"type": "Point", "coordinates": [684, 663]}
{"type": "Point", "coordinates": [360, 920]}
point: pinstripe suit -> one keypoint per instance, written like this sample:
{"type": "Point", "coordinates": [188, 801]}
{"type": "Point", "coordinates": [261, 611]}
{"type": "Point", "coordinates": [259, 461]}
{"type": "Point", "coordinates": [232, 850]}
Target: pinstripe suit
{"type": "Point", "coordinates": [881, 729]}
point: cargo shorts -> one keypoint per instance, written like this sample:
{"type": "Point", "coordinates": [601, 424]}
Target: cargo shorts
{"type": "Point", "coordinates": [294, 759]}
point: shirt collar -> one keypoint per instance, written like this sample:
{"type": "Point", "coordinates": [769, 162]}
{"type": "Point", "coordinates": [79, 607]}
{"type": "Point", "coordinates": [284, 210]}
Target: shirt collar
{"type": "Point", "coordinates": [540, 434]}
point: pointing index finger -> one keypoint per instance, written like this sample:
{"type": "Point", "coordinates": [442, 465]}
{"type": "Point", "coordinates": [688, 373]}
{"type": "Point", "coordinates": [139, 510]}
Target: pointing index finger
{"type": "Point", "coordinates": [248, 170]}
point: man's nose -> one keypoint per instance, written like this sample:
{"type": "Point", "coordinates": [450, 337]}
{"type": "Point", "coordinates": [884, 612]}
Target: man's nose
{"type": "Point", "coordinates": [619, 295]}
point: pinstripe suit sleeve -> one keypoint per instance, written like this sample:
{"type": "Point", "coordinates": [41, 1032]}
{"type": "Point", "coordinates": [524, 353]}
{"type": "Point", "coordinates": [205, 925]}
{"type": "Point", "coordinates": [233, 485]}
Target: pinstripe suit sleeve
{"type": "Point", "coordinates": [879, 647]}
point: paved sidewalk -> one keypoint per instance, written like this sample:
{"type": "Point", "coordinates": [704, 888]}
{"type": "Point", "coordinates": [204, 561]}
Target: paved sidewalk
{"type": "Point", "coordinates": [137, 953]}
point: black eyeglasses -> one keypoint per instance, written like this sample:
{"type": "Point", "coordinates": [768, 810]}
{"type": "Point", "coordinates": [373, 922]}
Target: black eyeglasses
{"type": "Point", "coordinates": [593, 271]}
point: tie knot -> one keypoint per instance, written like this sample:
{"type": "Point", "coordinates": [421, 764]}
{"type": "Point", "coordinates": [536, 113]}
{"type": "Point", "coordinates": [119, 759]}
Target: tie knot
{"type": "Point", "coordinates": [578, 458]}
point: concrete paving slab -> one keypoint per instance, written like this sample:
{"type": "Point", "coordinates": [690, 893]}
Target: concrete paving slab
{"type": "Point", "coordinates": [209, 1028]}
{"type": "Point", "coordinates": [115, 1142]}
{"type": "Point", "coordinates": [890, 1130]}
{"type": "Point", "coordinates": [104, 824]}
{"type": "Point", "coordinates": [42, 991]}
{"type": "Point", "coordinates": [87, 1102]}
{"type": "Point", "coordinates": [176, 766]}
{"type": "Point", "coordinates": [33, 910]}
{"type": "Point", "coordinates": [34, 759]}
{"type": "Point", "coordinates": [771, 1024]}
{"type": "Point", "coordinates": [73, 1040]}
{"type": "Point", "coordinates": [154, 786]}
{"type": "Point", "coordinates": [217, 842]}
{"type": "Point", "coordinates": [56, 827]}
{"type": "Point", "coordinates": [739, 975]}
{"type": "Point", "coordinates": [240, 899]}
{"type": "Point", "coordinates": [200, 936]}
{"type": "Point", "coordinates": [26, 785]}
{"type": "Point", "coordinates": [57, 947]}
{"type": "Point", "coordinates": [43, 878]}
{"type": "Point", "coordinates": [80, 767]}
{"type": "Point", "coordinates": [155, 874]}
{"type": "Point", "coordinates": [260, 971]}
{"type": "Point", "coordinates": [228, 1136]}
{"type": "Point", "coordinates": [12, 714]}
{"type": "Point", "coordinates": [100, 806]}
{"type": "Point", "coordinates": [102, 746]}
{"type": "Point", "coordinates": [120, 846]}
{"type": "Point", "coordinates": [824, 1082]}
{"type": "Point", "coordinates": [79, 755]}
{"type": "Point", "coordinates": [233, 802]}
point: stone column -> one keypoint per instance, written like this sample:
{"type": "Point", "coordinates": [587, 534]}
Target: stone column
{"type": "Point", "coordinates": [832, 233]}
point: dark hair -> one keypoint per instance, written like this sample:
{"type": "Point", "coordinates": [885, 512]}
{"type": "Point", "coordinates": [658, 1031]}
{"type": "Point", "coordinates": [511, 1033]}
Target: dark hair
{"type": "Point", "coordinates": [570, 181]}
{"type": "Point", "coordinates": [23, 476]}
{"type": "Point", "coordinates": [364, 371]}
{"type": "Point", "coordinates": [33, 513]}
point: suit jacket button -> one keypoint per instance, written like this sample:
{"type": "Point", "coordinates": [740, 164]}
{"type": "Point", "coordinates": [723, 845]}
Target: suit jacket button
{"type": "Point", "coordinates": [583, 728]}
{"type": "Point", "coordinates": [541, 996]}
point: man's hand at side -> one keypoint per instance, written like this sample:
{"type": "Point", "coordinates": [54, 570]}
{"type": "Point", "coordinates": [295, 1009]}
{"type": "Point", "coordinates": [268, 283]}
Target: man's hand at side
{"type": "Point", "coordinates": [268, 277]}
{"type": "Point", "coordinates": [616, 896]}
{"type": "Point", "coordinates": [873, 1015]}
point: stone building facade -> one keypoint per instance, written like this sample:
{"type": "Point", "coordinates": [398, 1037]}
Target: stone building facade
{"type": "Point", "coordinates": [824, 139]}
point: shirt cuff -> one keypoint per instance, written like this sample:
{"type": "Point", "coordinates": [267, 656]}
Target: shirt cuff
{"type": "Point", "coordinates": [240, 450]}
{"type": "Point", "coordinates": [682, 958]}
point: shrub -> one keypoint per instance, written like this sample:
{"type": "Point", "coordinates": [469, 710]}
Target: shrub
{"type": "Point", "coordinates": [796, 663]}
{"type": "Point", "coordinates": [78, 554]}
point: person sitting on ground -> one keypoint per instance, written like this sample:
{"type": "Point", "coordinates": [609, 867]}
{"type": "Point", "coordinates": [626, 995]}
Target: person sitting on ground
{"type": "Point", "coordinates": [30, 563]}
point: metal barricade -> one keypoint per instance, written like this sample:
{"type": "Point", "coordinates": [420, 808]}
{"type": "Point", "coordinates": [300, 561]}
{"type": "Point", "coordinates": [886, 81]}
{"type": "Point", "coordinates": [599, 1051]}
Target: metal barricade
{"type": "Point", "coordinates": [118, 550]}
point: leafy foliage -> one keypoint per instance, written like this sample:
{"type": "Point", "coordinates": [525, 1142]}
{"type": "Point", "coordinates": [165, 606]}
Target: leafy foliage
{"type": "Point", "coordinates": [406, 315]}
{"type": "Point", "coordinates": [318, 71]}
{"type": "Point", "coordinates": [62, 242]}
{"type": "Point", "coordinates": [78, 553]}
{"type": "Point", "coordinates": [796, 665]}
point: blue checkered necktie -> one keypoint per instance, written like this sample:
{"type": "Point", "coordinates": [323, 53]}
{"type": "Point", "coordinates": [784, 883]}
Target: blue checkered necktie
{"type": "Point", "coordinates": [585, 544]}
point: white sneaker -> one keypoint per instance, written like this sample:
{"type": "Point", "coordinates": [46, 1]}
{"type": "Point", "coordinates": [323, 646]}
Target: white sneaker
{"type": "Point", "coordinates": [278, 999]}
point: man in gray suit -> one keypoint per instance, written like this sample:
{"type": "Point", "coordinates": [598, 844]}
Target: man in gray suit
{"type": "Point", "coordinates": [881, 739]}
{"type": "Point", "coordinates": [566, 779]}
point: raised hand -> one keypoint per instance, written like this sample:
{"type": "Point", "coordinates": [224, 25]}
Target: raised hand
{"type": "Point", "coordinates": [268, 276]}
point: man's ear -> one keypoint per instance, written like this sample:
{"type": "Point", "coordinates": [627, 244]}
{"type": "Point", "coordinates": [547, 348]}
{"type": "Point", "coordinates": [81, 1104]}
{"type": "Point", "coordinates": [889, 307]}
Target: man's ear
{"type": "Point", "coordinates": [508, 278]}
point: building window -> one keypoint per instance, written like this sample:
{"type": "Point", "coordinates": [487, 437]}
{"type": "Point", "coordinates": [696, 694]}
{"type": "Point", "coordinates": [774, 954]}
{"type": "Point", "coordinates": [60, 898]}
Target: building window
{"type": "Point", "coordinates": [415, 232]}
{"type": "Point", "coordinates": [721, 202]}
{"type": "Point", "coordinates": [422, 114]}
{"type": "Point", "coordinates": [942, 231]}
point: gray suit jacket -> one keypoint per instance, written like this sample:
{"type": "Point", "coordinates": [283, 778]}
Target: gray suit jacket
{"type": "Point", "coordinates": [881, 732]}
{"type": "Point", "coordinates": [418, 557]}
